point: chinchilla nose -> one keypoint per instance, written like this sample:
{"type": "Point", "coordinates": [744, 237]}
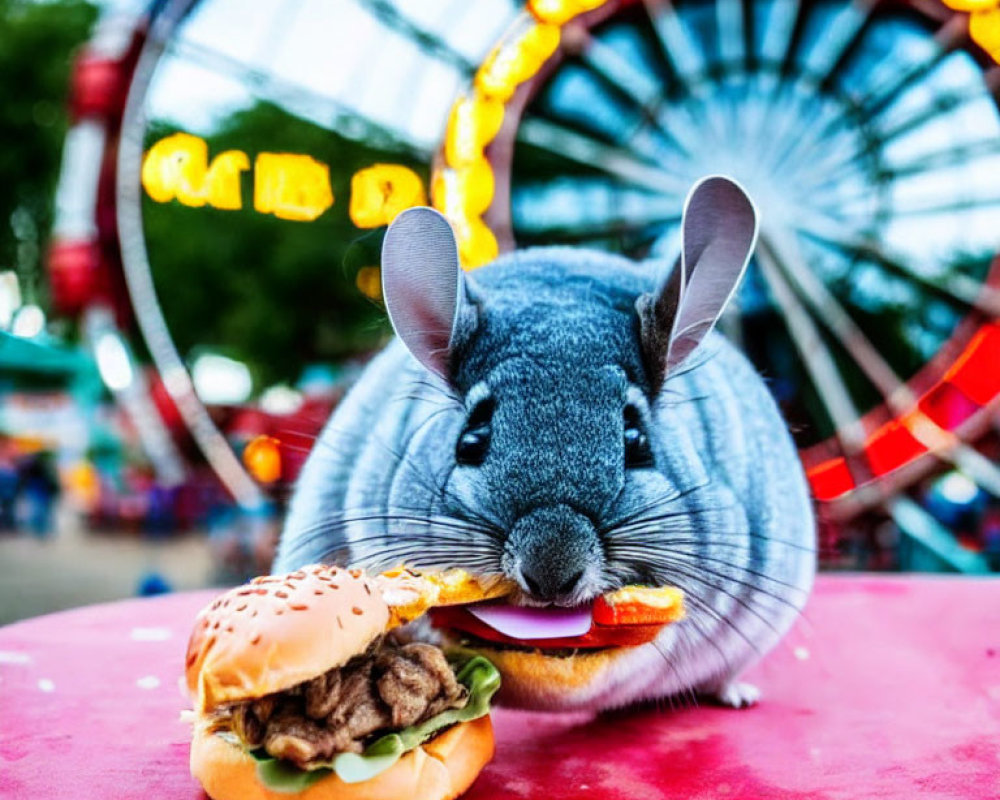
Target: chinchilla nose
{"type": "Point", "coordinates": [551, 551]}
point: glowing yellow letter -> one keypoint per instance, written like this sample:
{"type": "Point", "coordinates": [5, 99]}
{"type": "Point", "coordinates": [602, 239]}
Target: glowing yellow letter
{"type": "Point", "coordinates": [175, 167]}
{"type": "Point", "coordinates": [381, 191]}
{"type": "Point", "coordinates": [291, 186]}
{"type": "Point", "coordinates": [223, 180]}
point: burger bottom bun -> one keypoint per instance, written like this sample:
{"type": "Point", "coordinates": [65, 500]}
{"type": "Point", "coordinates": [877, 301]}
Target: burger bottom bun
{"type": "Point", "coordinates": [440, 769]}
{"type": "Point", "coordinates": [532, 679]}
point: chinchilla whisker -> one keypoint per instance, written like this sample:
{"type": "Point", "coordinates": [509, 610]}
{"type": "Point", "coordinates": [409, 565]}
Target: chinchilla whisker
{"type": "Point", "coordinates": [421, 476]}
{"type": "Point", "coordinates": [642, 536]}
{"type": "Point", "coordinates": [674, 565]}
{"type": "Point", "coordinates": [692, 364]}
{"type": "Point", "coordinates": [706, 608]}
{"type": "Point", "coordinates": [694, 622]}
{"type": "Point", "coordinates": [440, 388]}
{"type": "Point", "coordinates": [675, 568]}
{"type": "Point", "coordinates": [411, 554]}
{"type": "Point", "coordinates": [670, 517]}
{"type": "Point", "coordinates": [430, 529]}
{"type": "Point", "coordinates": [696, 559]}
{"type": "Point", "coordinates": [400, 514]}
{"type": "Point", "coordinates": [684, 399]}
{"type": "Point", "coordinates": [391, 547]}
{"type": "Point", "coordinates": [659, 501]}
{"type": "Point", "coordinates": [421, 398]}
{"type": "Point", "coordinates": [686, 694]}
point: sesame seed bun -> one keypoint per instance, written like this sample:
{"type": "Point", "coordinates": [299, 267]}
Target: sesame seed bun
{"type": "Point", "coordinates": [440, 769]}
{"type": "Point", "coordinates": [279, 631]}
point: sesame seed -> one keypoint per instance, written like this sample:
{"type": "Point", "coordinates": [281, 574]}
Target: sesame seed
{"type": "Point", "coordinates": [298, 606]}
{"type": "Point", "coordinates": [340, 622]}
{"type": "Point", "coordinates": [357, 611]}
{"type": "Point", "coordinates": [281, 594]}
{"type": "Point", "coordinates": [255, 639]}
{"type": "Point", "coordinates": [241, 607]}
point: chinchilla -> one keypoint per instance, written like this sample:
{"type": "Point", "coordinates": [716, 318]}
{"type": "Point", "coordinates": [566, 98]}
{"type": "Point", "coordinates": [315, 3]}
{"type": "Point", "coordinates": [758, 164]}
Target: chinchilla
{"type": "Point", "coordinates": [564, 418]}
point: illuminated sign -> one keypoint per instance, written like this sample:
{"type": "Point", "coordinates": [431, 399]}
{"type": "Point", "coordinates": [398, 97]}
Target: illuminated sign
{"type": "Point", "coordinates": [288, 185]}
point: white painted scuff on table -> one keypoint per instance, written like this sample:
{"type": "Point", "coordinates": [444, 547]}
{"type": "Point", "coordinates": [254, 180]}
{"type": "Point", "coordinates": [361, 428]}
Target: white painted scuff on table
{"type": "Point", "coordinates": [151, 634]}
{"type": "Point", "coordinates": [46, 685]}
{"type": "Point", "coordinates": [14, 657]}
{"type": "Point", "coordinates": [802, 653]}
{"type": "Point", "coordinates": [148, 682]}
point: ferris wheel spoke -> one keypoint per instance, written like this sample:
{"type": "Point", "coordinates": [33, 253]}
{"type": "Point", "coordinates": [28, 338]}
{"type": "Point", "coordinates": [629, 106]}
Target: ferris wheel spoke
{"type": "Point", "coordinates": [897, 395]}
{"type": "Point", "coordinates": [573, 207]}
{"type": "Point", "coordinates": [293, 96]}
{"type": "Point", "coordinates": [614, 161]}
{"type": "Point", "coordinates": [846, 31]}
{"type": "Point", "coordinates": [677, 48]}
{"type": "Point", "coordinates": [949, 157]}
{"type": "Point", "coordinates": [934, 207]}
{"type": "Point", "coordinates": [816, 357]}
{"type": "Point", "coordinates": [937, 108]}
{"type": "Point", "coordinates": [932, 162]}
{"type": "Point", "coordinates": [390, 16]}
{"type": "Point", "coordinates": [731, 33]}
{"type": "Point", "coordinates": [644, 92]}
{"type": "Point", "coordinates": [822, 65]}
{"type": "Point", "coordinates": [890, 82]}
{"type": "Point", "coordinates": [777, 41]}
{"type": "Point", "coordinates": [954, 285]}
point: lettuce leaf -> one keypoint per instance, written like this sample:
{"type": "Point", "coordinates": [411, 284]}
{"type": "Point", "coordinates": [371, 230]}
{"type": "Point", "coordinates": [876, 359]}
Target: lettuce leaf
{"type": "Point", "coordinates": [477, 674]}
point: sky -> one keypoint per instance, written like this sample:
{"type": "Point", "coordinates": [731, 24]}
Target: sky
{"type": "Point", "coordinates": [321, 56]}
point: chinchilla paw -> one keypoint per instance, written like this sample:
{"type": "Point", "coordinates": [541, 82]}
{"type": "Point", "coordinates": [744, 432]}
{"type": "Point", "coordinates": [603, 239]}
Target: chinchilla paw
{"type": "Point", "coordinates": [736, 695]}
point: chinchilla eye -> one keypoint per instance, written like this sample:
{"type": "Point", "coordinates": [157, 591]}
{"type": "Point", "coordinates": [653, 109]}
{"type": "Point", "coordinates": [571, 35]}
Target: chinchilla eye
{"type": "Point", "coordinates": [470, 451]}
{"type": "Point", "coordinates": [638, 454]}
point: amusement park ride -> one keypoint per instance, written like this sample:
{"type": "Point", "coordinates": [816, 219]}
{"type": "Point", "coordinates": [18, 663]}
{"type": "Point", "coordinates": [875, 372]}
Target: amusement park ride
{"type": "Point", "coordinates": [868, 132]}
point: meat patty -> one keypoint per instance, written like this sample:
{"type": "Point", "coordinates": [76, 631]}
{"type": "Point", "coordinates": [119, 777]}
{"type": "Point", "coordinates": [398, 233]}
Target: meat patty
{"type": "Point", "coordinates": [389, 687]}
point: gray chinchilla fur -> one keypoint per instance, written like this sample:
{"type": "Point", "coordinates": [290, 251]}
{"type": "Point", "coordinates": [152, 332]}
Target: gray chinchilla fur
{"type": "Point", "coordinates": [559, 417]}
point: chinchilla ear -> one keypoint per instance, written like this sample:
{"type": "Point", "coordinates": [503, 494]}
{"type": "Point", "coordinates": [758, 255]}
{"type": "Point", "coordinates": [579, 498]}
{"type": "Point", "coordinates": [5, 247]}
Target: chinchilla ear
{"type": "Point", "coordinates": [424, 287]}
{"type": "Point", "coordinates": [718, 234]}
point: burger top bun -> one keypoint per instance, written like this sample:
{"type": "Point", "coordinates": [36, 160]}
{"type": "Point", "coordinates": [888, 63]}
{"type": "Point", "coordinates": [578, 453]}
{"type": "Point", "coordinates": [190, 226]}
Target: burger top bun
{"type": "Point", "coordinates": [255, 639]}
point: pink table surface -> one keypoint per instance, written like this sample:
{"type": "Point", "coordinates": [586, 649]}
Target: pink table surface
{"type": "Point", "coordinates": [889, 688]}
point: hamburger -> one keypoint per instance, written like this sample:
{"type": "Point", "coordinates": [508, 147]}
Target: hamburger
{"type": "Point", "coordinates": [300, 689]}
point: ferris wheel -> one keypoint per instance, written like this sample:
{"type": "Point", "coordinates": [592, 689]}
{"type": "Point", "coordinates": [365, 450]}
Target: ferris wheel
{"type": "Point", "coordinates": [868, 133]}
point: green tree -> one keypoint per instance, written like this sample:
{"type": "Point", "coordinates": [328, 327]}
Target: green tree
{"type": "Point", "coordinates": [37, 42]}
{"type": "Point", "coordinates": [274, 293]}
